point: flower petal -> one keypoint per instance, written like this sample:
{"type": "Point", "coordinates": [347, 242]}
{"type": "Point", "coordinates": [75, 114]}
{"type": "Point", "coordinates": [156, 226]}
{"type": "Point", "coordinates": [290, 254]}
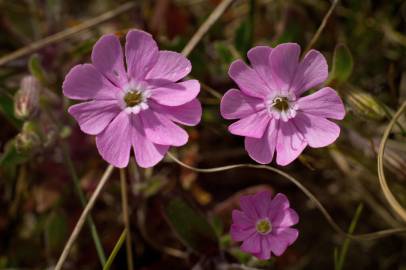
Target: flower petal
{"type": "Point", "coordinates": [147, 154]}
{"type": "Point", "coordinates": [160, 130]}
{"type": "Point", "coordinates": [259, 59]}
{"type": "Point", "coordinates": [247, 205]}
{"type": "Point", "coordinates": [290, 143]}
{"type": "Point", "coordinates": [188, 114]}
{"type": "Point", "coordinates": [284, 60]}
{"type": "Point", "coordinates": [265, 253]}
{"type": "Point", "coordinates": [324, 103]}
{"type": "Point", "coordinates": [253, 125]}
{"type": "Point", "coordinates": [262, 150]}
{"type": "Point", "coordinates": [285, 218]}
{"type": "Point", "coordinates": [114, 143]}
{"type": "Point", "coordinates": [288, 235]}
{"type": "Point", "coordinates": [312, 71]}
{"type": "Point", "coordinates": [318, 131]}
{"type": "Point", "coordinates": [239, 234]}
{"type": "Point", "coordinates": [141, 52]}
{"type": "Point", "coordinates": [252, 244]}
{"type": "Point", "coordinates": [241, 220]}
{"type": "Point", "coordinates": [171, 66]}
{"type": "Point", "coordinates": [262, 202]}
{"type": "Point", "coordinates": [248, 80]}
{"type": "Point", "coordinates": [235, 105]}
{"type": "Point", "coordinates": [173, 94]}
{"type": "Point", "coordinates": [85, 82]}
{"type": "Point", "coordinates": [278, 246]}
{"type": "Point", "coordinates": [279, 203]}
{"type": "Point", "coordinates": [95, 115]}
{"type": "Point", "coordinates": [107, 57]}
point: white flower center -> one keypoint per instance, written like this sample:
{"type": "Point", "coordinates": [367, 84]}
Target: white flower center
{"type": "Point", "coordinates": [263, 226]}
{"type": "Point", "coordinates": [134, 98]}
{"type": "Point", "coordinates": [282, 107]}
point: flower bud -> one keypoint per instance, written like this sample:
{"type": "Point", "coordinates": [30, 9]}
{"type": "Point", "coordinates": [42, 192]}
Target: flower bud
{"type": "Point", "coordinates": [28, 140]}
{"type": "Point", "coordinates": [365, 104]}
{"type": "Point", "coordinates": [26, 100]}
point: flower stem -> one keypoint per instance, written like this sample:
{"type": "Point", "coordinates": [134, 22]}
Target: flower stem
{"type": "Point", "coordinates": [124, 201]}
{"type": "Point", "coordinates": [89, 220]}
{"type": "Point", "coordinates": [115, 250]}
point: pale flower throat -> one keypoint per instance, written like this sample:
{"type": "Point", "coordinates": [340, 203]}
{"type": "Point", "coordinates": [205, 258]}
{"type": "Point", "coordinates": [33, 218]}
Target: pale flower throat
{"type": "Point", "coordinates": [282, 107]}
{"type": "Point", "coordinates": [134, 99]}
{"type": "Point", "coordinates": [263, 226]}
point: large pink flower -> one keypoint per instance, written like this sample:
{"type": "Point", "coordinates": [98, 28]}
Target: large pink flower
{"type": "Point", "coordinates": [133, 107]}
{"type": "Point", "coordinates": [273, 115]}
{"type": "Point", "coordinates": [264, 224]}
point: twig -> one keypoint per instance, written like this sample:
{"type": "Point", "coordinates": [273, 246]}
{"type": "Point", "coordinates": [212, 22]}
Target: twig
{"type": "Point", "coordinates": [214, 16]}
{"type": "Point", "coordinates": [89, 220]}
{"type": "Point", "coordinates": [115, 250]}
{"type": "Point", "coordinates": [308, 193]}
{"type": "Point", "coordinates": [66, 33]}
{"type": "Point", "coordinates": [381, 174]}
{"type": "Point", "coordinates": [124, 201]}
{"type": "Point", "coordinates": [321, 27]}
{"type": "Point", "coordinates": [82, 219]}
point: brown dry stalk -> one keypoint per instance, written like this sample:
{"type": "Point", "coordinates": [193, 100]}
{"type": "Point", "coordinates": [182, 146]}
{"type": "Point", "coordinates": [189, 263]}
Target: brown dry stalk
{"type": "Point", "coordinates": [381, 174]}
{"type": "Point", "coordinates": [83, 216]}
{"type": "Point", "coordinates": [35, 46]}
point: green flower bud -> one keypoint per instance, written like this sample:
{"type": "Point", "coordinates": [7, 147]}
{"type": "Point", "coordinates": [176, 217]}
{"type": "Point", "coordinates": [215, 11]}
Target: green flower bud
{"type": "Point", "coordinates": [365, 104]}
{"type": "Point", "coordinates": [26, 99]}
{"type": "Point", "coordinates": [28, 140]}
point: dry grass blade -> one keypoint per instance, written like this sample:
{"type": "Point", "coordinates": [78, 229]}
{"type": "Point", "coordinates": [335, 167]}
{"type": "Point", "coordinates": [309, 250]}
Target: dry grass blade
{"type": "Point", "coordinates": [66, 33]}
{"type": "Point", "coordinates": [381, 174]}
{"type": "Point", "coordinates": [83, 216]}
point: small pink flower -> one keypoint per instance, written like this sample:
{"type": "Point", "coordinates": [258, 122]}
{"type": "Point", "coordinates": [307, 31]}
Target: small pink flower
{"type": "Point", "coordinates": [273, 115]}
{"type": "Point", "coordinates": [133, 107]}
{"type": "Point", "coordinates": [264, 224]}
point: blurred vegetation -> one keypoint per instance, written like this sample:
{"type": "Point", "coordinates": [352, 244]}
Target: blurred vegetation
{"type": "Point", "coordinates": [180, 219]}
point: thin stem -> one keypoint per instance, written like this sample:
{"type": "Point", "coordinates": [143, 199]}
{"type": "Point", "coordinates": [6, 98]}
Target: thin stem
{"type": "Point", "coordinates": [323, 210]}
{"type": "Point", "coordinates": [89, 220]}
{"type": "Point", "coordinates": [381, 174]}
{"type": "Point", "coordinates": [321, 27]}
{"type": "Point", "coordinates": [214, 16]}
{"type": "Point", "coordinates": [35, 46]}
{"type": "Point", "coordinates": [115, 250]}
{"type": "Point", "coordinates": [83, 216]}
{"type": "Point", "coordinates": [124, 201]}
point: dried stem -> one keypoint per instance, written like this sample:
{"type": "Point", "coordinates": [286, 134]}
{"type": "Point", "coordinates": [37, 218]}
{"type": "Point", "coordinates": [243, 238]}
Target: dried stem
{"type": "Point", "coordinates": [83, 216]}
{"type": "Point", "coordinates": [124, 201]}
{"type": "Point", "coordinates": [321, 27]}
{"type": "Point", "coordinates": [214, 16]}
{"type": "Point", "coordinates": [34, 46]}
{"type": "Point", "coordinates": [89, 220]}
{"type": "Point", "coordinates": [323, 210]}
{"type": "Point", "coordinates": [381, 174]}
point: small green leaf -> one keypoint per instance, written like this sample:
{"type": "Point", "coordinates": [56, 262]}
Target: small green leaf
{"type": "Point", "coordinates": [11, 156]}
{"type": "Point", "coordinates": [36, 69]}
{"type": "Point", "coordinates": [56, 230]}
{"type": "Point", "coordinates": [191, 227]}
{"type": "Point", "coordinates": [342, 65]}
{"type": "Point", "coordinates": [7, 110]}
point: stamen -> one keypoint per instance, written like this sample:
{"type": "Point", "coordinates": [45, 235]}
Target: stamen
{"type": "Point", "coordinates": [133, 98]}
{"type": "Point", "coordinates": [264, 226]}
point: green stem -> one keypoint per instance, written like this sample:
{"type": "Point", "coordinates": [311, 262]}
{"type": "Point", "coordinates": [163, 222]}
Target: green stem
{"type": "Point", "coordinates": [116, 248]}
{"type": "Point", "coordinates": [90, 222]}
{"type": "Point", "coordinates": [339, 263]}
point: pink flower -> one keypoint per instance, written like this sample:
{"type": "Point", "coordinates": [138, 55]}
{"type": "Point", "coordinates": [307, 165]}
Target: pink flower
{"type": "Point", "coordinates": [264, 225]}
{"type": "Point", "coordinates": [133, 107]}
{"type": "Point", "coordinates": [273, 115]}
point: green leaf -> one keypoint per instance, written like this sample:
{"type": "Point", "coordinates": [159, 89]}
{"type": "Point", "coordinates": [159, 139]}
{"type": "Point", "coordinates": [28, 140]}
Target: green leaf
{"type": "Point", "coordinates": [191, 227]}
{"type": "Point", "coordinates": [36, 69]}
{"type": "Point", "coordinates": [244, 33]}
{"type": "Point", "coordinates": [342, 65]}
{"type": "Point", "coordinates": [11, 156]}
{"type": "Point", "coordinates": [7, 110]}
{"type": "Point", "coordinates": [56, 230]}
